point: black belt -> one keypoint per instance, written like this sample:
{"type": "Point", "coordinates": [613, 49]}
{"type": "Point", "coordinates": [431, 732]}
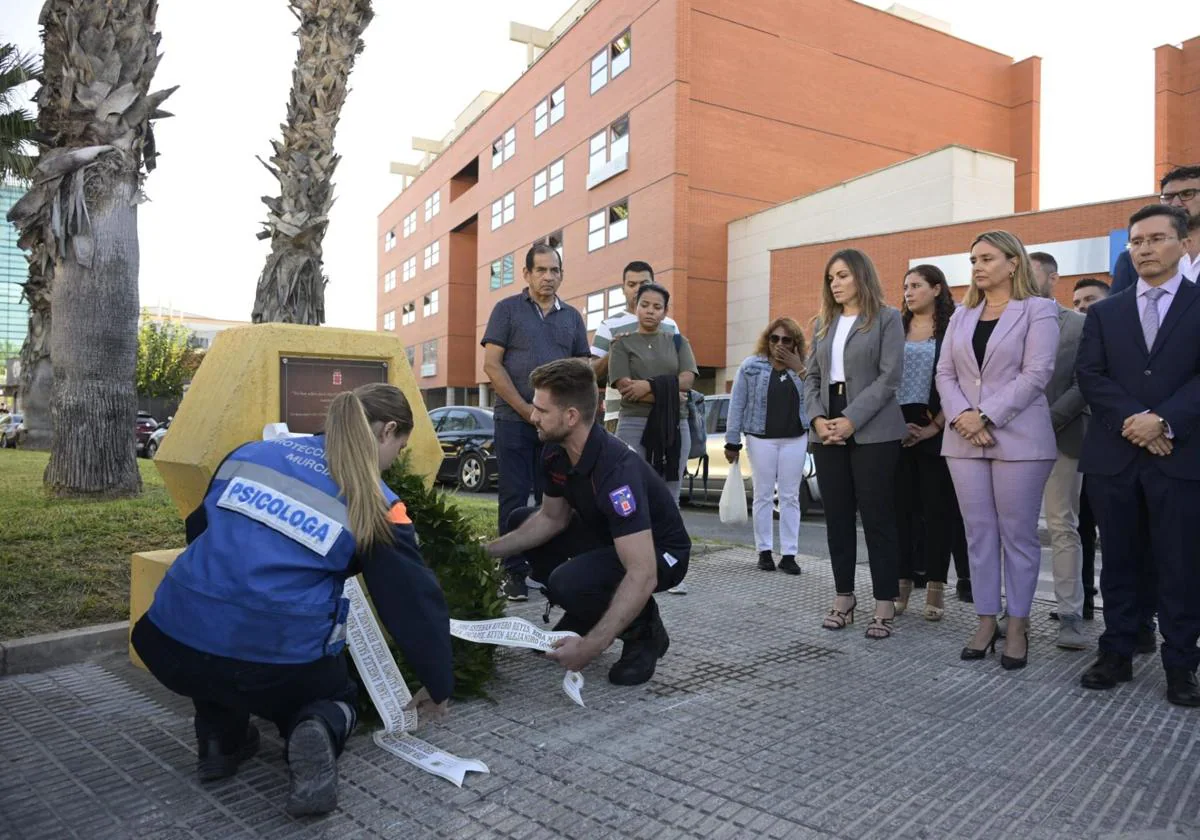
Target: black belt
{"type": "Point", "coordinates": [838, 388]}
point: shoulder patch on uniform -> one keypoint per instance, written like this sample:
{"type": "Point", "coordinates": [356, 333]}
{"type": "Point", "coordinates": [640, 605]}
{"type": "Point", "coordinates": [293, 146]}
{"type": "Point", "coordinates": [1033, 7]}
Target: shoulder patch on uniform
{"type": "Point", "coordinates": [623, 501]}
{"type": "Point", "coordinates": [398, 515]}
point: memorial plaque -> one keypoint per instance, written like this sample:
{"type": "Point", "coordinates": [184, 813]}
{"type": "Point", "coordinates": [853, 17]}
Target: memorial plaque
{"type": "Point", "coordinates": [308, 384]}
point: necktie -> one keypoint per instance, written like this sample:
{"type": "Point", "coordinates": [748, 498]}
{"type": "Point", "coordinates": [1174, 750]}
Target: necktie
{"type": "Point", "coordinates": [1150, 316]}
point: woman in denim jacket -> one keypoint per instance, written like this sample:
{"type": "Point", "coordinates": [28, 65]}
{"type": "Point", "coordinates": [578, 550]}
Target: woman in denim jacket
{"type": "Point", "coordinates": [767, 404]}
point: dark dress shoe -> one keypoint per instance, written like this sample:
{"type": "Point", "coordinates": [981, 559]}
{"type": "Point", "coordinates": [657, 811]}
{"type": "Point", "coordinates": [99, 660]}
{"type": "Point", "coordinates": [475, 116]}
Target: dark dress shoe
{"type": "Point", "coordinates": [1146, 641]}
{"type": "Point", "coordinates": [1109, 669]}
{"type": "Point", "coordinates": [788, 565]}
{"type": "Point", "coordinates": [765, 561]}
{"type": "Point", "coordinates": [1182, 688]}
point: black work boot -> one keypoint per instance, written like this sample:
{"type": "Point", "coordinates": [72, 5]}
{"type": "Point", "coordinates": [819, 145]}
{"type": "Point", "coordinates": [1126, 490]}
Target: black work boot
{"type": "Point", "coordinates": [644, 642]}
{"type": "Point", "coordinates": [214, 764]}
{"type": "Point", "coordinates": [312, 767]}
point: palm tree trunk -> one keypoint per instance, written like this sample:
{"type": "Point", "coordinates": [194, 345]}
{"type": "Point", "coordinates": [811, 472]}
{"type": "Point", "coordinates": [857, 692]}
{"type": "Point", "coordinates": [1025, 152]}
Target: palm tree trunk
{"type": "Point", "coordinates": [37, 374]}
{"type": "Point", "coordinates": [291, 287]}
{"type": "Point", "coordinates": [94, 404]}
{"type": "Point", "coordinates": [80, 216]}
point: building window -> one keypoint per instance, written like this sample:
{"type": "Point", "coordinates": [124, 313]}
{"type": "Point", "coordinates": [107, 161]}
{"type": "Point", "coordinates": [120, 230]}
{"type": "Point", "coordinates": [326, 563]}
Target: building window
{"type": "Point", "coordinates": [604, 304]}
{"type": "Point", "coordinates": [429, 359]}
{"type": "Point", "coordinates": [433, 206]}
{"type": "Point", "coordinates": [550, 110]}
{"type": "Point", "coordinates": [389, 240]}
{"type": "Point", "coordinates": [389, 280]}
{"type": "Point", "coordinates": [548, 182]}
{"type": "Point", "coordinates": [389, 319]}
{"type": "Point", "coordinates": [430, 304]}
{"type": "Point", "coordinates": [409, 269]}
{"type": "Point", "coordinates": [408, 313]}
{"type": "Point", "coordinates": [410, 224]}
{"type": "Point", "coordinates": [609, 145]}
{"type": "Point", "coordinates": [433, 253]}
{"type": "Point", "coordinates": [504, 210]}
{"type": "Point", "coordinates": [411, 352]}
{"type": "Point", "coordinates": [612, 61]}
{"type": "Point", "coordinates": [502, 272]}
{"type": "Point", "coordinates": [608, 226]}
{"type": "Point", "coordinates": [504, 147]}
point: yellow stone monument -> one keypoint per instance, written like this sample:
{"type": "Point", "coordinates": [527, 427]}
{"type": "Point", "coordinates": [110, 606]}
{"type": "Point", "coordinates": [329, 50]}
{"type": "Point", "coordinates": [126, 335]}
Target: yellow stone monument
{"type": "Point", "coordinates": [269, 373]}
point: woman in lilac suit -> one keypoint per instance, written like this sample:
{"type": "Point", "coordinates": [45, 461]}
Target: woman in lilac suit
{"type": "Point", "coordinates": [998, 356]}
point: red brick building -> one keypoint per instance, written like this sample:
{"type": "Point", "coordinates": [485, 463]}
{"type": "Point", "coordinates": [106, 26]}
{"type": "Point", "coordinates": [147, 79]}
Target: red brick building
{"type": "Point", "coordinates": [646, 126]}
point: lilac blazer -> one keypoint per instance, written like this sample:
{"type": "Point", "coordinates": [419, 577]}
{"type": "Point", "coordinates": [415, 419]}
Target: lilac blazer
{"type": "Point", "coordinates": [1010, 389]}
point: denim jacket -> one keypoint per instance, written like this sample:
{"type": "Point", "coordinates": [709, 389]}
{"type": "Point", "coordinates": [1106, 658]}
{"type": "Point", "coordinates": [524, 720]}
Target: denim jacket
{"type": "Point", "coordinates": [748, 402]}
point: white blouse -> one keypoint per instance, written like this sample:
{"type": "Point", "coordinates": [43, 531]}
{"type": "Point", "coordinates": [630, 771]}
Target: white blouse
{"type": "Point", "coordinates": [837, 365]}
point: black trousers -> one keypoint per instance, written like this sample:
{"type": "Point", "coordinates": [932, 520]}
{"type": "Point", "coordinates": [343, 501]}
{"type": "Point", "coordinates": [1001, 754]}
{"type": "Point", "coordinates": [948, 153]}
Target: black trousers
{"type": "Point", "coordinates": [926, 508]}
{"type": "Point", "coordinates": [1146, 521]}
{"type": "Point", "coordinates": [225, 692]}
{"type": "Point", "coordinates": [581, 571]}
{"type": "Point", "coordinates": [1087, 536]}
{"type": "Point", "coordinates": [519, 459]}
{"type": "Point", "coordinates": [860, 478]}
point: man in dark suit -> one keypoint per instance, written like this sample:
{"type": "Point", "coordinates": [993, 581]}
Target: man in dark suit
{"type": "Point", "coordinates": [1180, 188]}
{"type": "Point", "coordinates": [1139, 369]}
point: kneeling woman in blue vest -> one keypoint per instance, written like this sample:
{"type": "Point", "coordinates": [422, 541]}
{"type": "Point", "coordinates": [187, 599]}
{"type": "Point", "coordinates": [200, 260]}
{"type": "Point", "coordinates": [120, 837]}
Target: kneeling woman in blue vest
{"type": "Point", "coordinates": [250, 619]}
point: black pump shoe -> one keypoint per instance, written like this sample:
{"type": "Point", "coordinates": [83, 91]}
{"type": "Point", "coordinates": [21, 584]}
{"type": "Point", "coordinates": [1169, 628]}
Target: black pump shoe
{"type": "Point", "coordinates": [969, 653]}
{"type": "Point", "coordinates": [1013, 663]}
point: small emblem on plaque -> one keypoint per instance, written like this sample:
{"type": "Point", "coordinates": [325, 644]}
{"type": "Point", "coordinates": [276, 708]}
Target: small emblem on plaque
{"type": "Point", "coordinates": [337, 377]}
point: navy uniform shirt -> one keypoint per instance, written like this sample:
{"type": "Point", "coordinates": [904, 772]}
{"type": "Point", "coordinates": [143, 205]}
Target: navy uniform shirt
{"type": "Point", "coordinates": [615, 492]}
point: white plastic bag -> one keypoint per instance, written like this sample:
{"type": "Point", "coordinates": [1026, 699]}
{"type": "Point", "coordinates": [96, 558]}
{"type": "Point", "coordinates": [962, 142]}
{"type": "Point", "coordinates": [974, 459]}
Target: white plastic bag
{"type": "Point", "coordinates": [733, 496]}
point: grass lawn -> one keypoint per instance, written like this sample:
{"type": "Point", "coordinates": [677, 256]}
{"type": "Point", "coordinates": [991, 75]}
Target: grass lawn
{"type": "Point", "coordinates": [65, 564]}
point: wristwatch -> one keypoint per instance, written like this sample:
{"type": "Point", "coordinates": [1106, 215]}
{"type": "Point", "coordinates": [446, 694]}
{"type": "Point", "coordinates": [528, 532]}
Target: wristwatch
{"type": "Point", "coordinates": [987, 421]}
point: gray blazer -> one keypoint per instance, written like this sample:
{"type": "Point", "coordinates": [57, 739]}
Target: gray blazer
{"type": "Point", "coordinates": [874, 362]}
{"type": "Point", "coordinates": [1068, 409]}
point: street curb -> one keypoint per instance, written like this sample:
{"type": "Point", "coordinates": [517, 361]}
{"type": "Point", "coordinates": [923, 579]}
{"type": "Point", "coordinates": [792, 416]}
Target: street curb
{"type": "Point", "coordinates": [66, 647]}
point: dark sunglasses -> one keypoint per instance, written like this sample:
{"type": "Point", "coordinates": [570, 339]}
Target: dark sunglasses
{"type": "Point", "coordinates": [775, 339]}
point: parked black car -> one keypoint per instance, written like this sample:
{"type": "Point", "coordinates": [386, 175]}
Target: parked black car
{"type": "Point", "coordinates": [467, 435]}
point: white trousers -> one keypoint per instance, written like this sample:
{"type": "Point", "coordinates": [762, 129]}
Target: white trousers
{"type": "Point", "coordinates": [1060, 504]}
{"type": "Point", "coordinates": [777, 463]}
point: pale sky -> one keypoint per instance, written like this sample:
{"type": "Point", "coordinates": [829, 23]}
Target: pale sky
{"type": "Point", "coordinates": [233, 61]}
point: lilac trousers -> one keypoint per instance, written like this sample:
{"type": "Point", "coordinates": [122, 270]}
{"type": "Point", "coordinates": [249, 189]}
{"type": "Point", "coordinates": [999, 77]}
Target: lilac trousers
{"type": "Point", "coordinates": [1000, 502]}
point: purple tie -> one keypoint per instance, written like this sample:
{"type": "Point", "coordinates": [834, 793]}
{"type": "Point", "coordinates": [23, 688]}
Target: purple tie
{"type": "Point", "coordinates": [1150, 316]}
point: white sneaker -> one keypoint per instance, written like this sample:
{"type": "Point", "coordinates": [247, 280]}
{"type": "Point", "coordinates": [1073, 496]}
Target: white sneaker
{"type": "Point", "coordinates": [681, 589]}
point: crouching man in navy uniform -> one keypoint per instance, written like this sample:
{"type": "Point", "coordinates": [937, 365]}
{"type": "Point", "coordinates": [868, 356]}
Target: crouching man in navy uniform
{"type": "Point", "coordinates": [250, 619]}
{"type": "Point", "coordinates": [607, 536]}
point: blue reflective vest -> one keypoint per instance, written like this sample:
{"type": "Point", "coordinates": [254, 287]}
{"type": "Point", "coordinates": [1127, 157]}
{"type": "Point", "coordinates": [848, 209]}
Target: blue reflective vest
{"type": "Point", "coordinates": [263, 582]}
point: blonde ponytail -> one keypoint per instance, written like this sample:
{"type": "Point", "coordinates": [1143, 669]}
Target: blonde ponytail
{"type": "Point", "coordinates": [351, 450]}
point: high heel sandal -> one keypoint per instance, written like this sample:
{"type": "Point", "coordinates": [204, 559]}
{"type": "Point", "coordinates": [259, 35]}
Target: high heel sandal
{"type": "Point", "coordinates": [1012, 663]}
{"type": "Point", "coordinates": [970, 653]}
{"type": "Point", "coordinates": [838, 619]}
{"type": "Point", "coordinates": [935, 591]}
{"type": "Point", "coordinates": [880, 627]}
{"type": "Point", "coordinates": [901, 602]}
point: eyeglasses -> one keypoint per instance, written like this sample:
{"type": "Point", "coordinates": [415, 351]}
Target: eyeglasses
{"type": "Point", "coordinates": [1182, 195]}
{"type": "Point", "coordinates": [776, 339]}
{"type": "Point", "coordinates": [1153, 241]}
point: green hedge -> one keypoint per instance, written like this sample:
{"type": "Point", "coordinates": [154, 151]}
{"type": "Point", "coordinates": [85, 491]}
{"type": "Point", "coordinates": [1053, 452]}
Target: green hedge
{"type": "Point", "coordinates": [469, 578]}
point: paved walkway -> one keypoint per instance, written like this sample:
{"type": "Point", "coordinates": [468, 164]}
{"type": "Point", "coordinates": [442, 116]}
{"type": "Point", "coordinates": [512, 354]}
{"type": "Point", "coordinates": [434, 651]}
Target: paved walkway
{"type": "Point", "coordinates": [758, 724]}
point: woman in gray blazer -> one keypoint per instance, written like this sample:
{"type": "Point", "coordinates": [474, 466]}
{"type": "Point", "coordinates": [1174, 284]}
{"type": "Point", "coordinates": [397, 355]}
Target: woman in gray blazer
{"type": "Point", "coordinates": [853, 373]}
